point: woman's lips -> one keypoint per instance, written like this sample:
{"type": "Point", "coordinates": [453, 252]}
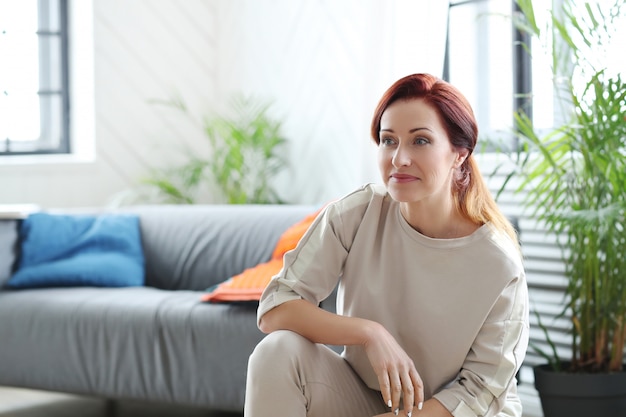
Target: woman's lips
{"type": "Point", "coordinates": [400, 178]}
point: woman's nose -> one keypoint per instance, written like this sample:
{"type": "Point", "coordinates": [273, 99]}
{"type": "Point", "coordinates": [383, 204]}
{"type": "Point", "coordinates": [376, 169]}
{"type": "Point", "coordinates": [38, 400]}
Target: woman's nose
{"type": "Point", "coordinates": [401, 157]}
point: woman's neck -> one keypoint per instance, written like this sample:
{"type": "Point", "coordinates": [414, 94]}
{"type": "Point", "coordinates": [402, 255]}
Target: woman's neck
{"type": "Point", "coordinates": [440, 222]}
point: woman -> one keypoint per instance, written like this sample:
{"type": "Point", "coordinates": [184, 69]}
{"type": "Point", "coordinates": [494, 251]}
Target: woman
{"type": "Point", "coordinates": [432, 301]}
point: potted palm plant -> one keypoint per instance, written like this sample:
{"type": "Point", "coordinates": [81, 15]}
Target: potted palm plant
{"type": "Point", "coordinates": [246, 152]}
{"type": "Point", "coordinates": [573, 179]}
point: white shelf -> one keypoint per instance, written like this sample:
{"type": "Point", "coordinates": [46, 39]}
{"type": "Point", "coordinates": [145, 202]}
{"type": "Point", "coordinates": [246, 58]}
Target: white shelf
{"type": "Point", "coordinates": [17, 211]}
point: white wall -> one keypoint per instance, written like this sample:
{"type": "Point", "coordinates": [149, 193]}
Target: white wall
{"type": "Point", "coordinates": [324, 65]}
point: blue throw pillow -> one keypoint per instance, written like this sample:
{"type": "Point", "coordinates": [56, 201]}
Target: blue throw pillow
{"type": "Point", "coordinates": [79, 250]}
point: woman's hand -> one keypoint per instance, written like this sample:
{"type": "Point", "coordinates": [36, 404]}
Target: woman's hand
{"type": "Point", "coordinates": [395, 370]}
{"type": "Point", "coordinates": [432, 408]}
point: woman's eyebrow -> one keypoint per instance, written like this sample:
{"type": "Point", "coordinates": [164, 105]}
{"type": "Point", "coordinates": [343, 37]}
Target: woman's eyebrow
{"type": "Point", "coordinates": [415, 129]}
{"type": "Point", "coordinates": [419, 128]}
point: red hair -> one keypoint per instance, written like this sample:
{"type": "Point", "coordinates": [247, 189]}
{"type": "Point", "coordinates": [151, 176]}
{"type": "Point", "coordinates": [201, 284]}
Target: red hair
{"type": "Point", "coordinates": [472, 197]}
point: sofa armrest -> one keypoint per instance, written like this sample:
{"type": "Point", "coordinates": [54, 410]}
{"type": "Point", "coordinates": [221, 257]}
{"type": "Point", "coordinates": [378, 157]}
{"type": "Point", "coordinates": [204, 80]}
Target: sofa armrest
{"type": "Point", "coordinates": [8, 249]}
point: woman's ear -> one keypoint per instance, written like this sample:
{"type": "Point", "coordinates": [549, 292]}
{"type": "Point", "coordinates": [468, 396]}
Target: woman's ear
{"type": "Point", "coordinates": [461, 156]}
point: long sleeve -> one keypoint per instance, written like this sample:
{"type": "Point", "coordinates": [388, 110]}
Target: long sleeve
{"type": "Point", "coordinates": [488, 373]}
{"type": "Point", "coordinates": [312, 270]}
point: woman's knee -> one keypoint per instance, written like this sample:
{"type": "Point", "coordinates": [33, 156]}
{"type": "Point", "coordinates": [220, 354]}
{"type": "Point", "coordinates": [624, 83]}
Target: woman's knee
{"type": "Point", "coordinates": [275, 375]}
{"type": "Point", "coordinates": [279, 346]}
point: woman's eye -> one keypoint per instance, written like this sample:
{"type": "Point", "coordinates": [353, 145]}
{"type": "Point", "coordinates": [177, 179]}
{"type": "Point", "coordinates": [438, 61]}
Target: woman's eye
{"type": "Point", "coordinates": [421, 141]}
{"type": "Point", "coordinates": [386, 141]}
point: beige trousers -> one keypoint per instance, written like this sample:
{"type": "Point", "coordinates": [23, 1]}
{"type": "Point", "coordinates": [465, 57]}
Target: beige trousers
{"type": "Point", "coordinates": [289, 376]}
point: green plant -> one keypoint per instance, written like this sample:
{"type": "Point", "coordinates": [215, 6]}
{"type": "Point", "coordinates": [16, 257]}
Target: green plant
{"type": "Point", "coordinates": [245, 152]}
{"type": "Point", "coordinates": [573, 179]}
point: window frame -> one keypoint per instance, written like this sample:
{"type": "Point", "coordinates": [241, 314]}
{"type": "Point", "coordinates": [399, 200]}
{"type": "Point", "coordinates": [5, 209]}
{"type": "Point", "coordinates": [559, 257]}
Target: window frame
{"type": "Point", "coordinates": [50, 120]}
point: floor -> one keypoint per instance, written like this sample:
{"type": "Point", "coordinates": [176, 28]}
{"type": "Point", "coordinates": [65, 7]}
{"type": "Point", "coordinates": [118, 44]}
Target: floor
{"type": "Point", "coordinates": [17, 402]}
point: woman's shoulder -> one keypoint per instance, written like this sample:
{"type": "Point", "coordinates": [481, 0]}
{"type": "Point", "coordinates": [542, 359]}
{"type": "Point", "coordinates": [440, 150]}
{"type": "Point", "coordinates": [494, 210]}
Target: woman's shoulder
{"type": "Point", "coordinates": [367, 198]}
{"type": "Point", "coordinates": [369, 201]}
{"type": "Point", "coordinates": [502, 249]}
{"type": "Point", "coordinates": [364, 196]}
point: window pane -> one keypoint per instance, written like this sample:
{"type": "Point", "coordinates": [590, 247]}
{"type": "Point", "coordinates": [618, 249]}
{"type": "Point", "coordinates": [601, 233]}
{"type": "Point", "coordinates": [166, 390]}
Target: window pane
{"type": "Point", "coordinates": [481, 40]}
{"type": "Point", "coordinates": [19, 73]}
{"type": "Point", "coordinates": [49, 19]}
{"type": "Point", "coordinates": [50, 56]}
{"type": "Point", "coordinates": [543, 87]}
{"type": "Point", "coordinates": [547, 112]}
{"type": "Point", "coordinates": [51, 139]}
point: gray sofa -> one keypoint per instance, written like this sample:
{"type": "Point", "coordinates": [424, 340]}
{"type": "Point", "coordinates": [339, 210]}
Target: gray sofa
{"type": "Point", "coordinates": [156, 342]}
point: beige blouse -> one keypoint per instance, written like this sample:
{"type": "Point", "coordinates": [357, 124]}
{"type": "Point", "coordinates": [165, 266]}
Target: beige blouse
{"type": "Point", "coordinates": [459, 307]}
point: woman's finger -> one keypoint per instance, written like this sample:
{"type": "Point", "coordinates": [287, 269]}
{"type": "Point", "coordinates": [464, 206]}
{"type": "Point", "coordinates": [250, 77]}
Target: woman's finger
{"type": "Point", "coordinates": [409, 394]}
{"type": "Point", "coordinates": [396, 392]}
{"type": "Point", "coordinates": [418, 387]}
{"type": "Point", "coordinates": [385, 388]}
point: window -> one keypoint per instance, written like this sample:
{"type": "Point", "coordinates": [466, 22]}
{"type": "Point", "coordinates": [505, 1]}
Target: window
{"type": "Point", "coordinates": [34, 81]}
{"type": "Point", "coordinates": [547, 111]}
{"type": "Point", "coordinates": [479, 62]}
{"type": "Point", "coordinates": [485, 60]}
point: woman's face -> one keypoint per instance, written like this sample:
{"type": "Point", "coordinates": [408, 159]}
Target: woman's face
{"type": "Point", "coordinates": [415, 156]}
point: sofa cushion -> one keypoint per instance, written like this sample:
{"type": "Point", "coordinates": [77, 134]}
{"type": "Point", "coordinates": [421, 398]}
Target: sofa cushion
{"type": "Point", "coordinates": [8, 248]}
{"type": "Point", "coordinates": [77, 250]}
{"type": "Point", "coordinates": [135, 343]}
{"type": "Point", "coordinates": [192, 247]}
{"type": "Point", "coordinates": [249, 285]}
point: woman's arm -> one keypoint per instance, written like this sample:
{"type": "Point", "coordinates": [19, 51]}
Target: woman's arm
{"type": "Point", "coordinates": [395, 370]}
{"type": "Point", "coordinates": [317, 324]}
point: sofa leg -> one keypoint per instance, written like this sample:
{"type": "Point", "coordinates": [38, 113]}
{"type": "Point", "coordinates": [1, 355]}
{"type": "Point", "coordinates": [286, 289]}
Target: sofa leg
{"type": "Point", "coordinates": [110, 407]}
